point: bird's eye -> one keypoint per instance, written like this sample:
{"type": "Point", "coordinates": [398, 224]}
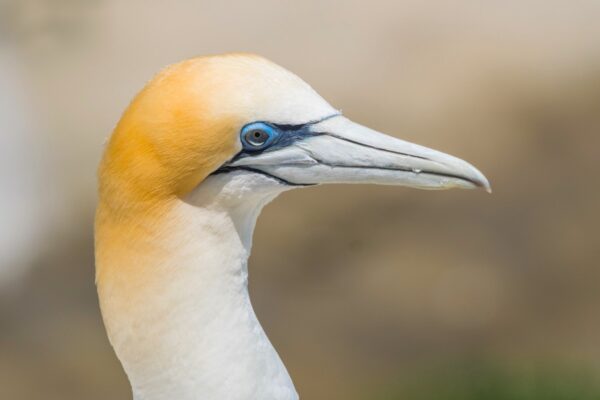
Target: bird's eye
{"type": "Point", "coordinates": [257, 136]}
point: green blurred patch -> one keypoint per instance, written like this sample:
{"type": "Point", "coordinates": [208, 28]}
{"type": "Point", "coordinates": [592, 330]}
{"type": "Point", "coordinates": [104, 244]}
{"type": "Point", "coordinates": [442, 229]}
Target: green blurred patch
{"type": "Point", "coordinates": [482, 381]}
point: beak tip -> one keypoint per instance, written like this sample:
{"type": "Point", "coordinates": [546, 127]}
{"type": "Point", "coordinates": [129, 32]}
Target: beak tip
{"type": "Point", "coordinates": [478, 179]}
{"type": "Point", "coordinates": [487, 188]}
{"type": "Point", "coordinates": [483, 183]}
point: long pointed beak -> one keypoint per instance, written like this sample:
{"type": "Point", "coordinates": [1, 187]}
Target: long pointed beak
{"type": "Point", "coordinates": [338, 150]}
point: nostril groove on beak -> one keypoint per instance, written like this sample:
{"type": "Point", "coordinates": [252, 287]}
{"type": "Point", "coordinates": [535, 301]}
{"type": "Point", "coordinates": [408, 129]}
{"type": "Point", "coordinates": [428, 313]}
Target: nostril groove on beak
{"type": "Point", "coordinates": [374, 147]}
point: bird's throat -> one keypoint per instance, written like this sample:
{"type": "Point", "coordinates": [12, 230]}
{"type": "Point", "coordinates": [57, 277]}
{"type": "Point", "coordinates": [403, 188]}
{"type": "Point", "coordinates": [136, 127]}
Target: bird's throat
{"type": "Point", "coordinates": [174, 297]}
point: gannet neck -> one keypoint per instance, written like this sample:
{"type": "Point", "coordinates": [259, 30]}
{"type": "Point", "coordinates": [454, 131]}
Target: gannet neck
{"type": "Point", "coordinates": [183, 325]}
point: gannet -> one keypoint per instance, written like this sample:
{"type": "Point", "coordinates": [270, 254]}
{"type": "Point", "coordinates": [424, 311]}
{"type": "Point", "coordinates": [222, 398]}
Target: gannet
{"type": "Point", "coordinates": [197, 154]}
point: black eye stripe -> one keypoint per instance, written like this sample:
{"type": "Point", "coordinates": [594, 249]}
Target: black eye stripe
{"type": "Point", "coordinates": [279, 136]}
{"type": "Point", "coordinates": [282, 135]}
{"type": "Point", "coordinates": [283, 139]}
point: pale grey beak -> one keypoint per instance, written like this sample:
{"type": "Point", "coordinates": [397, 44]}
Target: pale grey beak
{"type": "Point", "coordinates": [338, 150]}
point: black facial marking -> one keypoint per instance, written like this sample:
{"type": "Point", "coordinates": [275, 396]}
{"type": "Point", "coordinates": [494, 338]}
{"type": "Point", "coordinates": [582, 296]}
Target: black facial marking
{"type": "Point", "coordinates": [225, 170]}
{"type": "Point", "coordinates": [287, 134]}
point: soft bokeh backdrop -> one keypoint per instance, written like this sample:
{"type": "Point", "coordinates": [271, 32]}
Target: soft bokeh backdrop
{"type": "Point", "coordinates": [367, 292]}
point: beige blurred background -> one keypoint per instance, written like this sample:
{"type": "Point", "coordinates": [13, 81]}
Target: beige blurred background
{"type": "Point", "coordinates": [366, 292]}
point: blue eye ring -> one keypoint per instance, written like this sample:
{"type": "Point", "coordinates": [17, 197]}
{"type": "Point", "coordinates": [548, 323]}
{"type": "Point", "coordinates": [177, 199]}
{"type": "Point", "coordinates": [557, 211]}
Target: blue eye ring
{"type": "Point", "coordinates": [258, 136]}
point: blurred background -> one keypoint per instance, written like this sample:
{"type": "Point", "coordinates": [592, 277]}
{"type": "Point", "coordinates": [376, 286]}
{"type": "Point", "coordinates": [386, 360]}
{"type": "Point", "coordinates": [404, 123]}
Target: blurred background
{"type": "Point", "coordinates": [366, 292]}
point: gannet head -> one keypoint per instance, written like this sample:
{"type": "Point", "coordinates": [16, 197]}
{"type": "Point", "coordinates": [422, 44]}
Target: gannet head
{"type": "Point", "coordinates": [195, 156]}
{"type": "Point", "coordinates": [241, 116]}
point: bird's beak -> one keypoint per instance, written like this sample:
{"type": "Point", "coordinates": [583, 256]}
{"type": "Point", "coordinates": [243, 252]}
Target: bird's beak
{"type": "Point", "coordinates": [337, 150]}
